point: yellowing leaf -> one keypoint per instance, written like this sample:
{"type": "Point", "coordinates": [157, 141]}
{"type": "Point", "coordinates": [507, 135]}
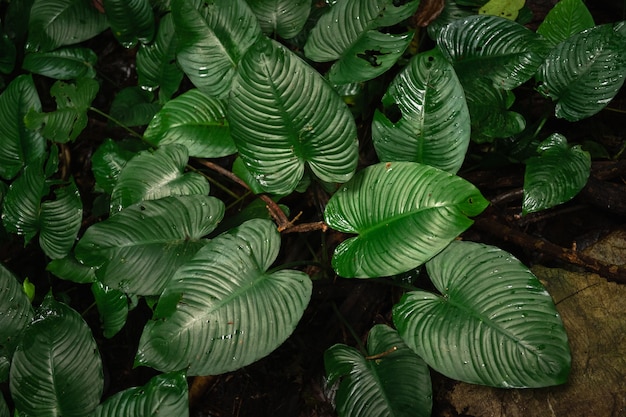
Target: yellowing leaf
{"type": "Point", "coordinates": [508, 9]}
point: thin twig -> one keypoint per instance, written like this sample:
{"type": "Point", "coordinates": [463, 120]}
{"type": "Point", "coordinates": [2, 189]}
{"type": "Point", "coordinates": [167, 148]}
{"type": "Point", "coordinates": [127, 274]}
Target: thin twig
{"type": "Point", "coordinates": [382, 354]}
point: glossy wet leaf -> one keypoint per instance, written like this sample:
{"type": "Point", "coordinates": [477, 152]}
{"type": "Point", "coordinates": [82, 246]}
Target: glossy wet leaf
{"type": "Point", "coordinates": [286, 18]}
{"type": "Point", "coordinates": [131, 21]}
{"type": "Point", "coordinates": [403, 213]}
{"type": "Point", "coordinates": [223, 310]}
{"type": "Point", "coordinates": [19, 146]}
{"type": "Point", "coordinates": [285, 117]}
{"type": "Point", "coordinates": [56, 369]}
{"type": "Point", "coordinates": [164, 394]}
{"type": "Point", "coordinates": [138, 249]}
{"type": "Point", "coordinates": [492, 323]}
{"type": "Point", "coordinates": [556, 175]}
{"type": "Point", "coordinates": [391, 381]}
{"type": "Point", "coordinates": [150, 175]}
{"type": "Point", "coordinates": [55, 23]}
{"type": "Point", "coordinates": [109, 159]}
{"type": "Point", "coordinates": [60, 220]}
{"type": "Point", "coordinates": [195, 120]}
{"type": "Point", "coordinates": [134, 106]}
{"type": "Point", "coordinates": [112, 306]}
{"type": "Point", "coordinates": [434, 124]}
{"type": "Point", "coordinates": [584, 72]}
{"type": "Point", "coordinates": [62, 64]}
{"type": "Point", "coordinates": [565, 19]}
{"type": "Point", "coordinates": [70, 269]}
{"type": "Point", "coordinates": [212, 39]}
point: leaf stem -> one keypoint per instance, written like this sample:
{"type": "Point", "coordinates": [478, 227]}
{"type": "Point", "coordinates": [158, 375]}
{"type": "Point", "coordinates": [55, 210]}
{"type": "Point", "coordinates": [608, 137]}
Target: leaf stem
{"type": "Point", "coordinates": [382, 354]}
{"type": "Point", "coordinates": [117, 122]}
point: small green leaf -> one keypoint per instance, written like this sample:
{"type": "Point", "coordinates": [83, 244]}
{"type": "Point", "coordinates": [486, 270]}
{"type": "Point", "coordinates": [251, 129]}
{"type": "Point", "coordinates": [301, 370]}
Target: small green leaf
{"type": "Point", "coordinates": [391, 381]}
{"type": "Point", "coordinates": [404, 213]}
{"type": "Point", "coordinates": [286, 18]}
{"type": "Point", "coordinates": [434, 123]}
{"type": "Point", "coordinates": [29, 289]}
{"type": "Point", "coordinates": [62, 64]}
{"type": "Point", "coordinates": [113, 308]}
{"type": "Point", "coordinates": [138, 249]}
{"type": "Point", "coordinates": [70, 269]}
{"type": "Point", "coordinates": [59, 221]}
{"type": "Point", "coordinates": [133, 106]}
{"type": "Point", "coordinates": [151, 175]}
{"type": "Point", "coordinates": [239, 169]}
{"type": "Point", "coordinates": [566, 18]}
{"type": "Point", "coordinates": [196, 120]}
{"type": "Point", "coordinates": [222, 310]}
{"type": "Point", "coordinates": [493, 323]}
{"type": "Point", "coordinates": [110, 158]}
{"type": "Point", "coordinates": [556, 175]}
{"type": "Point", "coordinates": [508, 9]}
{"type": "Point", "coordinates": [56, 369]}
{"type": "Point", "coordinates": [131, 20]}
{"type": "Point", "coordinates": [163, 395]}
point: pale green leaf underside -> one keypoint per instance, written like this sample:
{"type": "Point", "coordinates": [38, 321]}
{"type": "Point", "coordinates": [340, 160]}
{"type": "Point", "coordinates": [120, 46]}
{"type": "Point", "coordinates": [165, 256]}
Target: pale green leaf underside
{"type": "Point", "coordinates": [395, 385]}
{"type": "Point", "coordinates": [566, 18]}
{"type": "Point", "coordinates": [555, 176]}
{"type": "Point", "coordinates": [152, 175]}
{"type": "Point", "coordinates": [585, 72]}
{"type": "Point", "coordinates": [56, 369]}
{"type": "Point", "coordinates": [493, 324]}
{"type": "Point", "coordinates": [131, 20]}
{"type": "Point", "coordinates": [283, 17]}
{"type": "Point", "coordinates": [403, 213]}
{"type": "Point", "coordinates": [60, 220]}
{"type": "Point", "coordinates": [62, 64]}
{"type": "Point", "coordinates": [434, 127]}
{"type": "Point", "coordinates": [284, 116]}
{"type": "Point", "coordinates": [195, 120]}
{"type": "Point", "coordinates": [222, 310]}
{"type": "Point", "coordinates": [138, 249]}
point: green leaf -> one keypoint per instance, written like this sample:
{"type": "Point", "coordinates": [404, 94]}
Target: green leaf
{"type": "Point", "coordinates": [285, 117]}
{"type": "Point", "coordinates": [556, 175]}
{"type": "Point", "coordinates": [390, 381]}
{"type": "Point", "coordinates": [434, 124]}
{"type": "Point", "coordinates": [222, 310]}
{"type": "Point", "coordinates": [22, 204]}
{"type": "Point", "coordinates": [452, 11]}
{"type": "Point", "coordinates": [508, 9]}
{"type": "Point", "coordinates": [62, 64]}
{"type": "Point", "coordinates": [151, 175]}
{"type": "Point", "coordinates": [404, 213]}
{"type": "Point", "coordinates": [163, 395]}
{"type": "Point", "coordinates": [60, 220]}
{"type": "Point", "coordinates": [56, 369]}
{"type": "Point", "coordinates": [133, 106]}
{"type": "Point", "coordinates": [286, 18]}
{"type": "Point", "coordinates": [68, 121]}
{"type": "Point", "coordinates": [493, 324]}
{"type": "Point", "coordinates": [584, 72]}
{"type": "Point", "coordinates": [112, 306]}
{"type": "Point", "coordinates": [196, 120]}
{"type": "Point", "coordinates": [138, 249]}
{"type": "Point", "coordinates": [55, 23]}
{"type": "Point", "coordinates": [19, 146]}
{"type": "Point", "coordinates": [131, 21]}
{"type": "Point", "coordinates": [239, 169]}
{"type": "Point", "coordinates": [8, 54]}
{"type": "Point", "coordinates": [566, 18]}
{"type": "Point", "coordinates": [4, 408]}
{"type": "Point", "coordinates": [212, 39]}
{"type": "Point", "coordinates": [156, 62]}
{"type": "Point", "coordinates": [70, 269]}
{"type": "Point", "coordinates": [15, 313]}
{"type": "Point", "coordinates": [109, 159]}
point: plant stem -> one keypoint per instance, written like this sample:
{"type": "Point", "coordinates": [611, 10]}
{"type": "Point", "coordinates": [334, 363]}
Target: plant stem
{"type": "Point", "coordinates": [117, 122]}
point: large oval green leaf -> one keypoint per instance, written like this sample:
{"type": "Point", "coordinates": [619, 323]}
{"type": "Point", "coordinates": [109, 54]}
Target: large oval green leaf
{"type": "Point", "coordinates": [434, 127]}
{"type": "Point", "coordinates": [566, 18]}
{"type": "Point", "coordinates": [585, 72]}
{"type": "Point", "coordinates": [212, 39]}
{"type": "Point", "coordinates": [196, 120]}
{"type": "Point", "coordinates": [403, 212]}
{"type": "Point", "coordinates": [152, 175]}
{"type": "Point", "coordinates": [391, 381]}
{"type": "Point", "coordinates": [284, 116]}
{"type": "Point", "coordinates": [163, 395]}
{"type": "Point", "coordinates": [59, 221]}
{"type": "Point", "coordinates": [138, 249]}
{"type": "Point", "coordinates": [62, 64]}
{"type": "Point", "coordinates": [556, 175]}
{"type": "Point", "coordinates": [131, 20]}
{"type": "Point", "coordinates": [492, 324]}
{"type": "Point", "coordinates": [56, 369]}
{"type": "Point", "coordinates": [286, 18]}
{"type": "Point", "coordinates": [223, 310]}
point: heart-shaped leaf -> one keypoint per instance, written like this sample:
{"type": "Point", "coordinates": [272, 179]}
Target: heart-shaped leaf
{"type": "Point", "coordinates": [62, 64]}
{"type": "Point", "coordinates": [434, 125]}
{"type": "Point", "coordinates": [223, 310]}
{"type": "Point", "coordinates": [391, 381]}
{"type": "Point", "coordinates": [556, 175]}
{"type": "Point", "coordinates": [403, 212]}
{"type": "Point", "coordinates": [212, 39]}
{"type": "Point", "coordinates": [151, 175]}
{"type": "Point", "coordinates": [492, 324]}
{"type": "Point", "coordinates": [584, 72]}
{"type": "Point", "coordinates": [19, 146]}
{"type": "Point", "coordinates": [196, 120]}
{"type": "Point", "coordinates": [284, 116]}
{"type": "Point", "coordinates": [566, 18]}
{"type": "Point", "coordinates": [286, 18]}
{"type": "Point", "coordinates": [131, 20]}
{"type": "Point", "coordinates": [112, 306]}
{"type": "Point", "coordinates": [163, 395]}
{"type": "Point", "coordinates": [56, 369]}
{"type": "Point", "coordinates": [59, 221]}
{"type": "Point", "coordinates": [138, 249]}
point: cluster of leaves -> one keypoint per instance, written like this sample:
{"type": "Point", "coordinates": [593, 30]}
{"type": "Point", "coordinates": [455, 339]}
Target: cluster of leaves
{"type": "Point", "coordinates": [218, 305]}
